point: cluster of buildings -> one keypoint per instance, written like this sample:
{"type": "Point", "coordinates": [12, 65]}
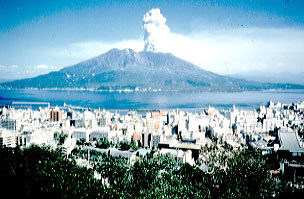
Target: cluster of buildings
{"type": "Point", "coordinates": [272, 128]}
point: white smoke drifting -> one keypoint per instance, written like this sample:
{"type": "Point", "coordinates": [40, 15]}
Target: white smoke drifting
{"type": "Point", "coordinates": [156, 31]}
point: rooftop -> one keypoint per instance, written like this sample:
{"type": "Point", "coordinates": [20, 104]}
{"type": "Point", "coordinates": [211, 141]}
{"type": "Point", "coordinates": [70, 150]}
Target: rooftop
{"type": "Point", "coordinates": [290, 141]}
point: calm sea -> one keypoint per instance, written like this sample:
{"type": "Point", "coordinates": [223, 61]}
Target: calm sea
{"type": "Point", "coordinates": [150, 100]}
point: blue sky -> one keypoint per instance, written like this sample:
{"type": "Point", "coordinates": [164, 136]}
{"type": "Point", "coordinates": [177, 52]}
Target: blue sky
{"type": "Point", "coordinates": [38, 36]}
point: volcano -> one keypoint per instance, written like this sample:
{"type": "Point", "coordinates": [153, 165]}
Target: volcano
{"type": "Point", "coordinates": [139, 71]}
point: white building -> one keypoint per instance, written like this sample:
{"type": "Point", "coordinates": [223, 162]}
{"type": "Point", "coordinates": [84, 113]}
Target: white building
{"type": "Point", "coordinates": [7, 138]}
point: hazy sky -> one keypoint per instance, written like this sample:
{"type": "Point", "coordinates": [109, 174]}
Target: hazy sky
{"type": "Point", "coordinates": [226, 37]}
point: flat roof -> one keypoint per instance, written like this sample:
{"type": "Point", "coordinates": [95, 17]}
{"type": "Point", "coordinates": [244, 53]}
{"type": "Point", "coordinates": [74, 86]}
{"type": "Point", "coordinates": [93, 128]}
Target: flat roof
{"type": "Point", "coordinates": [187, 146]}
{"type": "Point", "coordinates": [175, 144]}
{"type": "Point", "coordinates": [169, 142]}
{"type": "Point", "coordinates": [290, 141]}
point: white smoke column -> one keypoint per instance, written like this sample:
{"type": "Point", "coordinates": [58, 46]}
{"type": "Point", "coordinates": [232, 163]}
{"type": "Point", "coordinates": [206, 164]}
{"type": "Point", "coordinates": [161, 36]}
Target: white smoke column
{"type": "Point", "coordinates": [156, 31]}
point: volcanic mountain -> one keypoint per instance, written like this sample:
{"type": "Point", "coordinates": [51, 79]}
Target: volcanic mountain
{"type": "Point", "coordinates": [127, 69]}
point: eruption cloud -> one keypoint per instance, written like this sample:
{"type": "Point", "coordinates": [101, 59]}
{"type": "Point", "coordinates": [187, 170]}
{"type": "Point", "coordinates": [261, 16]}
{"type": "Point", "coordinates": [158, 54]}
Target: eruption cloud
{"type": "Point", "coordinates": [156, 32]}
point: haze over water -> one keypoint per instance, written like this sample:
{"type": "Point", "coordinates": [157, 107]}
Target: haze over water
{"type": "Point", "coordinates": [150, 100]}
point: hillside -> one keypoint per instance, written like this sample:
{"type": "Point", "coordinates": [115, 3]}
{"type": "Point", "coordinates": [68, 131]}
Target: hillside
{"type": "Point", "coordinates": [127, 69]}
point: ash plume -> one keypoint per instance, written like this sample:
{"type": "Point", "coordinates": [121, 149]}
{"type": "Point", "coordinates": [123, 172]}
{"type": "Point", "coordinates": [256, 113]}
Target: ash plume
{"type": "Point", "coordinates": [155, 30]}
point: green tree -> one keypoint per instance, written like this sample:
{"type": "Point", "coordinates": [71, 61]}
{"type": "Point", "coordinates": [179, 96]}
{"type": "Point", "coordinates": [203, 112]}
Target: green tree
{"type": "Point", "coordinates": [60, 137]}
{"type": "Point", "coordinates": [245, 175]}
{"type": "Point", "coordinates": [81, 141]}
{"type": "Point", "coordinates": [41, 172]}
{"type": "Point", "coordinates": [158, 177]}
{"type": "Point", "coordinates": [104, 144]}
{"type": "Point", "coordinates": [125, 145]}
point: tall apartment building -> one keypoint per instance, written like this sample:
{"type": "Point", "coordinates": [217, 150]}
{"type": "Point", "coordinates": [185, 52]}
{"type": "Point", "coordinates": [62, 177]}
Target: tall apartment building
{"type": "Point", "coordinates": [55, 115]}
{"type": "Point", "coordinates": [7, 138]}
{"type": "Point", "coordinates": [8, 124]}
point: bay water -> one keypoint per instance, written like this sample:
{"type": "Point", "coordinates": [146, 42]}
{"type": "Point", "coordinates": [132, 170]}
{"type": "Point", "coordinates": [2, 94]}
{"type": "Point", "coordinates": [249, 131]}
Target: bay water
{"type": "Point", "coordinates": [150, 100]}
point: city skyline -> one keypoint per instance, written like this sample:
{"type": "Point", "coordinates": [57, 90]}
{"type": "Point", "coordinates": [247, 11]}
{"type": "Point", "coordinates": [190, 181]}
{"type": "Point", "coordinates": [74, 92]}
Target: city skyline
{"type": "Point", "coordinates": [225, 37]}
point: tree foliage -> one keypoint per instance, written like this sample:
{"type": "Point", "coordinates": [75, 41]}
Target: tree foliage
{"type": "Point", "coordinates": [42, 172]}
{"type": "Point", "coordinates": [125, 145]}
{"type": "Point", "coordinates": [60, 137]}
{"type": "Point", "coordinates": [103, 144]}
{"type": "Point", "coordinates": [158, 177]}
{"type": "Point", "coordinates": [246, 176]}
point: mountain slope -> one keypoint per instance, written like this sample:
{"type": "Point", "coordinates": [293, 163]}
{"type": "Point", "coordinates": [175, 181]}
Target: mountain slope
{"type": "Point", "coordinates": [126, 69]}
